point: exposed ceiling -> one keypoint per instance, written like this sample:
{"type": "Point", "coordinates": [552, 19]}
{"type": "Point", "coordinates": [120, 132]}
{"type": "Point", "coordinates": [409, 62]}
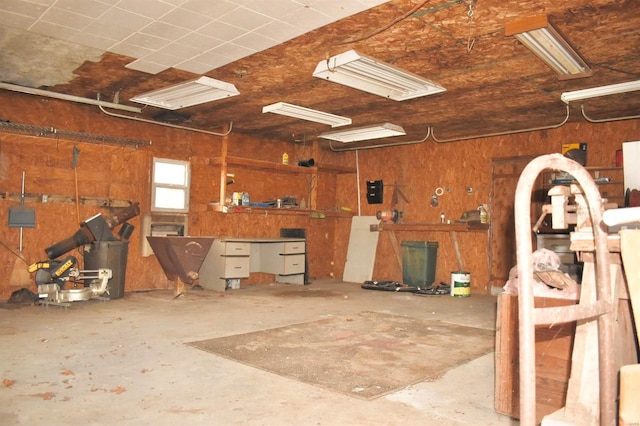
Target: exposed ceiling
{"type": "Point", "coordinates": [269, 49]}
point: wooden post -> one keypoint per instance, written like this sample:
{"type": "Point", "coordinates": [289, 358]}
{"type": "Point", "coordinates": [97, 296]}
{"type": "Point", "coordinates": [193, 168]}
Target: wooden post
{"type": "Point", "coordinates": [223, 165]}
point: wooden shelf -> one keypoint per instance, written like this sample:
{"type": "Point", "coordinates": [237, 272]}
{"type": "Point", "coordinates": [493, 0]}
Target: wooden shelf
{"type": "Point", "coordinates": [433, 227]}
{"type": "Point", "coordinates": [280, 168]}
{"type": "Point", "coordinates": [227, 162]}
{"type": "Point", "coordinates": [279, 212]}
{"type": "Point", "coordinates": [612, 190]}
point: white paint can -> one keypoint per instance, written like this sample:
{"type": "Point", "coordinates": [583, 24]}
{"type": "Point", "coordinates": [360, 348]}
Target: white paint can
{"type": "Point", "coordinates": [460, 284]}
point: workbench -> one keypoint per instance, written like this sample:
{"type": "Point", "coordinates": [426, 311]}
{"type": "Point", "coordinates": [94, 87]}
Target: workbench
{"type": "Point", "coordinates": [452, 228]}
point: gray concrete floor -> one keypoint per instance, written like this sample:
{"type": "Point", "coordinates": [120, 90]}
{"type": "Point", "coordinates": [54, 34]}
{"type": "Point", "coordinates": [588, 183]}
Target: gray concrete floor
{"type": "Point", "coordinates": [125, 361]}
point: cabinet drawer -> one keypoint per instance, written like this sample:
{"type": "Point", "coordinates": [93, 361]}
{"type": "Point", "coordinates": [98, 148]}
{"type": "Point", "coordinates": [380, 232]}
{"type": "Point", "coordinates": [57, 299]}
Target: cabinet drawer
{"type": "Point", "coordinates": [292, 264]}
{"type": "Point", "coordinates": [236, 267]}
{"type": "Point", "coordinates": [236, 249]}
{"type": "Point", "coordinates": [293, 247]}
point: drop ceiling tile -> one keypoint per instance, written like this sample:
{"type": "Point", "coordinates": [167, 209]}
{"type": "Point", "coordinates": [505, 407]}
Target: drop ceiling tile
{"type": "Point", "coordinates": [337, 9]}
{"type": "Point", "coordinates": [232, 51]}
{"type": "Point", "coordinates": [179, 51]}
{"type": "Point", "coordinates": [175, 2]}
{"type": "Point", "coordinates": [255, 42]}
{"type": "Point", "coordinates": [245, 18]}
{"type": "Point", "coordinates": [130, 50]}
{"type": "Point", "coordinates": [65, 18]}
{"type": "Point", "coordinates": [194, 66]}
{"type": "Point", "coordinates": [372, 3]}
{"type": "Point", "coordinates": [185, 19]}
{"type": "Point", "coordinates": [213, 59]}
{"type": "Point", "coordinates": [15, 21]}
{"type": "Point", "coordinates": [93, 40]}
{"type": "Point", "coordinates": [61, 33]}
{"type": "Point", "coordinates": [221, 30]}
{"type": "Point", "coordinates": [210, 8]}
{"type": "Point", "coordinates": [164, 31]}
{"type": "Point", "coordinates": [117, 24]}
{"type": "Point", "coordinates": [162, 58]}
{"type": "Point", "coordinates": [200, 41]}
{"type": "Point", "coordinates": [22, 8]}
{"type": "Point", "coordinates": [274, 8]}
{"type": "Point", "coordinates": [280, 31]}
{"type": "Point", "coordinates": [90, 8]}
{"type": "Point", "coordinates": [146, 66]}
{"type": "Point", "coordinates": [306, 18]}
{"type": "Point", "coordinates": [153, 9]}
{"type": "Point", "coordinates": [125, 19]}
{"type": "Point", "coordinates": [146, 41]}
{"type": "Point", "coordinates": [45, 3]}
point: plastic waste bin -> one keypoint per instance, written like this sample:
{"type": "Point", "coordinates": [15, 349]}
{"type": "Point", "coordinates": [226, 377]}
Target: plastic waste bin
{"type": "Point", "coordinates": [111, 255]}
{"type": "Point", "coordinates": [419, 263]}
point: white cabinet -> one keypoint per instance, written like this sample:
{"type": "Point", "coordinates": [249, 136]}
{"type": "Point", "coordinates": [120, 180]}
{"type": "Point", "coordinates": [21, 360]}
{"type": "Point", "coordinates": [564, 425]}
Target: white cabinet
{"type": "Point", "coordinates": [284, 259]}
{"type": "Point", "coordinates": [235, 258]}
{"type": "Point", "coordinates": [225, 260]}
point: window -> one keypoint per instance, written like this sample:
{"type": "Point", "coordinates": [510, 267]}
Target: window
{"type": "Point", "coordinates": [170, 186]}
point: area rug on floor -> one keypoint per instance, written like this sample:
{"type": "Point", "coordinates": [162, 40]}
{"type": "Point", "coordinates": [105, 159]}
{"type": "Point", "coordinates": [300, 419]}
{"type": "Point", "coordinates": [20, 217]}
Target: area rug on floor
{"type": "Point", "coordinates": [365, 355]}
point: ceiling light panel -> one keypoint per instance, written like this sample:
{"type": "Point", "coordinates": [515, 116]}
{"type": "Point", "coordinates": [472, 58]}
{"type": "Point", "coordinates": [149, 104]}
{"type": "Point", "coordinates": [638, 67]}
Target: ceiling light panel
{"type": "Point", "coordinates": [364, 133]}
{"type": "Point", "coordinates": [539, 36]}
{"type": "Point", "coordinates": [595, 92]}
{"type": "Point", "coordinates": [189, 93]}
{"type": "Point", "coordinates": [309, 114]}
{"type": "Point", "coordinates": [373, 76]}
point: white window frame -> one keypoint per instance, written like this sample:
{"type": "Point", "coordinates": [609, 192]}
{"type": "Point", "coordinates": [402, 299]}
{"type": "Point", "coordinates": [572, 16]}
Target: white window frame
{"type": "Point", "coordinates": [180, 183]}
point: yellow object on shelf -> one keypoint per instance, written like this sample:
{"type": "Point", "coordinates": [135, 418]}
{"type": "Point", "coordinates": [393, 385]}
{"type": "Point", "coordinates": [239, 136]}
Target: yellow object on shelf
{"type": "Point", "coordinates": [285, 158]}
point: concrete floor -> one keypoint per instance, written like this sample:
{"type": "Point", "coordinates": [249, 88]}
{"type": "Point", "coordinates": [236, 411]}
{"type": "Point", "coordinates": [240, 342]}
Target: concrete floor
{"type": "Point", "coordinates": [125, 361]}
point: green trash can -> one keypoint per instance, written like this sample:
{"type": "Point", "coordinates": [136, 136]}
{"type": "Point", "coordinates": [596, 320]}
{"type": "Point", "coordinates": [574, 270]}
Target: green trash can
{"type": "Point", "coordinates": [111, 255]}
{"type": "Point", "coordinates": [419, 263]}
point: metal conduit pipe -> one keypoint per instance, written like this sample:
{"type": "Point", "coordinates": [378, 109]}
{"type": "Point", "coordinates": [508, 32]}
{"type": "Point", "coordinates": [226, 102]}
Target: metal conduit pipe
{"type": "Point", "coordinates": [174, 126]}
{"type": "Point", "coordinates": [507, 133]}
{"type": "Point", "coordinates": [606, 120]}
{"type": "Point", "coordinates": [529, 316]}
{"type": "Point", "coordinates": [430, 132]}
{"type": "Point", "coordinates": [64, 97]}
{"type": "Point", "coordinates": [383, 145]}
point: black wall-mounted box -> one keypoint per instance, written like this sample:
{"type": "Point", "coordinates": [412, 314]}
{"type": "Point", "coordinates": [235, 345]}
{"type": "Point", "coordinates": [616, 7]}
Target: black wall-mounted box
{"type": "Point", "coordinates": [374, 191]}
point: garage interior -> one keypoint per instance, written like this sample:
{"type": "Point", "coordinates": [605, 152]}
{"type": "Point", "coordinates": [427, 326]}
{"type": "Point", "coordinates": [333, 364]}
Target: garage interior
{"type": "Point", "coordinates": [81, 142]}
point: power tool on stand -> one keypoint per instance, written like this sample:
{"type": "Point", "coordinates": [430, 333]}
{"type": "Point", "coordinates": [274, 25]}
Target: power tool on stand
{"type": "Point", "coordinates": [52, 275]}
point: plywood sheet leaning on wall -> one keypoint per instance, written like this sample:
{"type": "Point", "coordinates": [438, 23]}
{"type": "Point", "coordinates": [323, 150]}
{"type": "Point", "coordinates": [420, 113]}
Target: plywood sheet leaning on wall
{"type": "Point", "coordinates": [361, 253]}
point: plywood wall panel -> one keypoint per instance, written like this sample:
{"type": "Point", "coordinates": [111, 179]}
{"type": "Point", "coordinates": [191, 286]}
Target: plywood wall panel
{"type": "Point", "coordinates": [117, 172]}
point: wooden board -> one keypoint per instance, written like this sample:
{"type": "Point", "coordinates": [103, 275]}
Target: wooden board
{"type": "Point", "coordinates": [361, 253]}
{"type": "Point", "coordinates": [553, 350]}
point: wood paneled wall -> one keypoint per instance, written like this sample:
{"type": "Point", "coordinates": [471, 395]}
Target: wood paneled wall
{"type": "Point", "coordinates": [123, 173]}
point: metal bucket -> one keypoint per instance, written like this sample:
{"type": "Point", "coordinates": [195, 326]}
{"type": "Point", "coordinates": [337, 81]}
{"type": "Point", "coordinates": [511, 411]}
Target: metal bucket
{"type": "Point", "coordinates": [460, 284]}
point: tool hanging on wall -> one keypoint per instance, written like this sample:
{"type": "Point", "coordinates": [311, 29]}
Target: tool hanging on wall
{"type": "Point", "coordinates": [388, 215]}
{"type": "Point", "coordinates": [435, 197]}
{"type": "Point", "coordinates": [397, 192]}
{"type": "Point", "coordinates": [21, 217]}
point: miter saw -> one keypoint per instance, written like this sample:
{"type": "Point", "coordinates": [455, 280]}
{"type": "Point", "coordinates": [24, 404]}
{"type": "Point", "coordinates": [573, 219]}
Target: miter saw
{"type": "Point", "coordinates": [52, 275]}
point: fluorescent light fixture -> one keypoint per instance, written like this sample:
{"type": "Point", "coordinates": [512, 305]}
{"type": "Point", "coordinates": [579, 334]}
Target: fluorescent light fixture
{"type": "Point", "coordinates": [594, 92]}
{"type": "Point", "coordinates": [356, 134]}
{"type": "Point", "coordinates": [373, 76]}
{"type": "Point", "coordinates": [309, 114]}
{"type": "Point", "coordinates": [189, 93]}
{"type": "Point", "coordinates": [545, 41]}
